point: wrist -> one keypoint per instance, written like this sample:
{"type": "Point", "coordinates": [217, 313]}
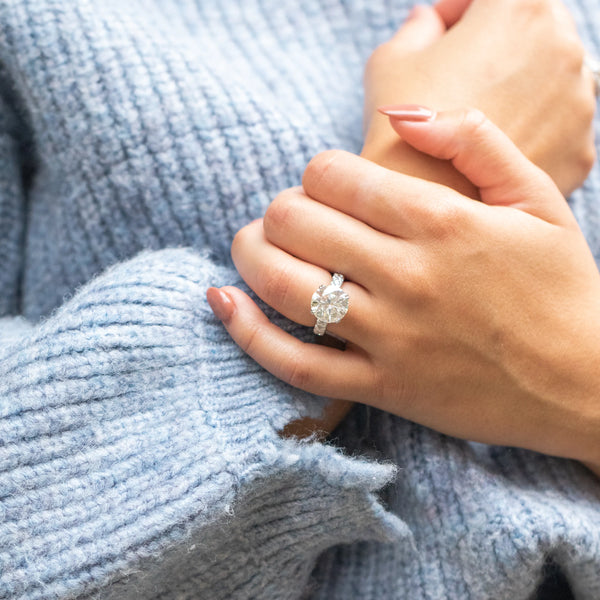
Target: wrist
{"type": "Point", "coordinates": [572, 399]}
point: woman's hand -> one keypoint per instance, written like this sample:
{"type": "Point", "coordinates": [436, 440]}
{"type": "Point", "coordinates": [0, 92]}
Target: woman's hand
{"type": "Point", "coordinates": [519, 61]}
{"type": "Point", "coordinates": [479, 319]}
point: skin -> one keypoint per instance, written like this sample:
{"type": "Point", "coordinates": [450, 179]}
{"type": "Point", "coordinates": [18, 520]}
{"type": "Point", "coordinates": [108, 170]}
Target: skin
{"type": "Point", "coordinates": [444, 334]}
{"type": "Point", "coordinates": [394, 67]}
{"type": "Point", "coordinates": [518, 61]}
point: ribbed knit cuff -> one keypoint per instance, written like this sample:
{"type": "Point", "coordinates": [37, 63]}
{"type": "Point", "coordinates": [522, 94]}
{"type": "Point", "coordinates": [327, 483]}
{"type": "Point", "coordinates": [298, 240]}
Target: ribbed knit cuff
{"type": "Point", "coordinates": [139, 453]}
{"type": "Point", "coordinates": [265, 543]}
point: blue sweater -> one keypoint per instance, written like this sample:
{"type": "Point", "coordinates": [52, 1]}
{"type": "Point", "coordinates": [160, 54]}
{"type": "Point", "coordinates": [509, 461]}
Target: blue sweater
{"type": "Point", "coordinates": [139, 447]}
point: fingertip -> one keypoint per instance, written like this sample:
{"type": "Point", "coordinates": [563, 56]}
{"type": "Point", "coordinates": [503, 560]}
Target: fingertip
{"type": "Point", "coordinates": [221, 303]}
{"type": "Point", "coordinates": [446, 135]}
{"type": "Point", "coordinates": [324, 169]}
{"type": "Point", "coordinates": [242, 304]}
{"type": "Point", "coordinates": [318, 167]}
{"type": "Point", "coordinates": [414, 123]}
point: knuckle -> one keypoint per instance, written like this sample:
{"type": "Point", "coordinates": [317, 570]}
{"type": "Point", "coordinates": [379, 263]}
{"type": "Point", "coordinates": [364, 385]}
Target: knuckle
{"type": "Point", "coordinates": [585, 105]}
{"type": "Point", "coordinates": [318, 168]}
{"type": "Point", "coordinates": [588, 159]}
{"type": "Point", "coordinates": [240, 240]}
{"type": "Point", "coordinates": [414, 282]}
{"type": "Point", "coordinates": [250, 339]}
{"type": "Point", "coordinates": [280, 213]}
{"type": "Point", "coordinates": [577, 50]}
{"type": "Point", "coordinates": [237, 242]}
{"type": "Point", "coordinates": [379, 386]}
{"type": "Point", "coordinates": [589, 109]}
{"type": "Point", "coordinates": [298, 373]}
{"type": "Point", "coordinates": [473, 122]}
{"type": "Point", "coordinates": [572, 52]}
{"type": "Point", "coordinates": [274, 283]}
{"type": "Point", "coordinates": [447, 219]}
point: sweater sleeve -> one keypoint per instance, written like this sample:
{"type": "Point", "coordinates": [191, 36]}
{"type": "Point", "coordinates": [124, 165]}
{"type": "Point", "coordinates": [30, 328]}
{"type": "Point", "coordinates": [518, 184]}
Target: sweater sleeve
{"type": "Point", "coordinates": [139, 453]}
{"type": "Point", "coordinates": [12, 206]}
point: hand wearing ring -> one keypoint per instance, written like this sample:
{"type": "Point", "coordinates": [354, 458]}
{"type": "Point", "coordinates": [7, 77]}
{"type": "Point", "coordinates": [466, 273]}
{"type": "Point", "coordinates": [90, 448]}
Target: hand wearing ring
{"type": "Point", "coordinates": [441, 290]}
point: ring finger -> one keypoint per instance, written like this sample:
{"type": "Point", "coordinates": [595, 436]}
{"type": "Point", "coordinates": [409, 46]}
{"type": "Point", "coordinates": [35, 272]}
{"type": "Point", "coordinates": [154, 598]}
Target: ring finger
{"type": "Point", "coordinates": [287, 283]}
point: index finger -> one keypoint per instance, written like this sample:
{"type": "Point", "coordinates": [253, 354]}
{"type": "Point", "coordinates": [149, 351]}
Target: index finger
{"type": "Point", "coordinates": [386, 200]}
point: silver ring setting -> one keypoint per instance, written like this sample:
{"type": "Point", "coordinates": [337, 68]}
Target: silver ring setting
{"type": "Point", "coordinates": [329, 304]}
{"type": "Point", "coordinates": [593, 64]}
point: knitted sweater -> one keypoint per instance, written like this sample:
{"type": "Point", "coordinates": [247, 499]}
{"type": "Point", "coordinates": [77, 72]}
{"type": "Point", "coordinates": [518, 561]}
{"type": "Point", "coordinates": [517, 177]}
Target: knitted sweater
{"type": "Point", "coordinates": [139, 447]}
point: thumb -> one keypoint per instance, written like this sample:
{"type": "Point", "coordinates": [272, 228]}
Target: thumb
{"type": "Point", "coordinates": [484, 155]}
{"type": "Point", "coordinates": [422, 27]}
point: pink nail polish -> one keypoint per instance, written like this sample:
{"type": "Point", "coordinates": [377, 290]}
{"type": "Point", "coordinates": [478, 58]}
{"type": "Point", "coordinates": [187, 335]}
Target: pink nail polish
{"type": "Point", "coordinates": [221, 303]}
{"type": "Point", "coordinates": [408, 112]}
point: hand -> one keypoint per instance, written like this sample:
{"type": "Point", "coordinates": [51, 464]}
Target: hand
{"type": "Point", "coordinates": [518, 61]}
{"type": "Point", "coordinates": [479, 319]}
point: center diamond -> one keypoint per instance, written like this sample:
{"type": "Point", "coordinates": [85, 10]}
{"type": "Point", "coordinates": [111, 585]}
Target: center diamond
{"type": "Point", "coordinates": [329, 303]}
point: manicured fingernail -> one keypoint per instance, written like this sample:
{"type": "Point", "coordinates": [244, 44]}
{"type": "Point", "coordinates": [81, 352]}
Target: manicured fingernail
{"type": "Point", "coordinates": [221, 303]}
{"type": "Point", "coordinates": [408, 112]}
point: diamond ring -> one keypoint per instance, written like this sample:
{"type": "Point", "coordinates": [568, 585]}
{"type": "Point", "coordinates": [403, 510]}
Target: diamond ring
{"type": "Point", "coordinates": [593, 64]}
{"type": "Point", "coordinates": [329, 304]}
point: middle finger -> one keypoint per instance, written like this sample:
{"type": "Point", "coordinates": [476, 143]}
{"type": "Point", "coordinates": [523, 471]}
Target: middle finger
{"type": "Point", "coordinates": [327, 238]}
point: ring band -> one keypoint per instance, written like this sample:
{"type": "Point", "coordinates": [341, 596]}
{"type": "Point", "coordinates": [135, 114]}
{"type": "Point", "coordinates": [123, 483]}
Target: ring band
{"type": "Point", "coordinates": [329, 304]}
{"type": "Point", "coordinates": [593, 64]}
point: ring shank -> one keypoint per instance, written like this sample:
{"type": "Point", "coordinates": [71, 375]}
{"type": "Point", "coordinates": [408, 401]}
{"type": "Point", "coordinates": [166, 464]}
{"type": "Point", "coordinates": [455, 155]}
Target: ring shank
{"type": "Point", "coordinates": [320, 327]}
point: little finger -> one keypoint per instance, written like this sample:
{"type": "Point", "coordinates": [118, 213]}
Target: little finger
{"type": "Point", "coordinates": [321, 370]}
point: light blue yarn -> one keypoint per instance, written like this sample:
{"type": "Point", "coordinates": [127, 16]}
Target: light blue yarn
{"type": "Point", "coordinates": [139, 453]}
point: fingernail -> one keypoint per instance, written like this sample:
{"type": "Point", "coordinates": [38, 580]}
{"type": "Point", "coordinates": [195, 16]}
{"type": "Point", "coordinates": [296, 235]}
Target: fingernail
{"type": "Point", "coordinates": [408, 112]}
{"type": "Point", "coordinates": [221, 303]}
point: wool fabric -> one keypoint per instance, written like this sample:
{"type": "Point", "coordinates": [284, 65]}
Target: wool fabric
{"type": "Point", "coordinates": [139, 449]}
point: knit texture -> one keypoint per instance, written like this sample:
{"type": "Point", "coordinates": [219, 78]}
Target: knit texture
{"type": "Point", "coordinates": [139, 447]}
